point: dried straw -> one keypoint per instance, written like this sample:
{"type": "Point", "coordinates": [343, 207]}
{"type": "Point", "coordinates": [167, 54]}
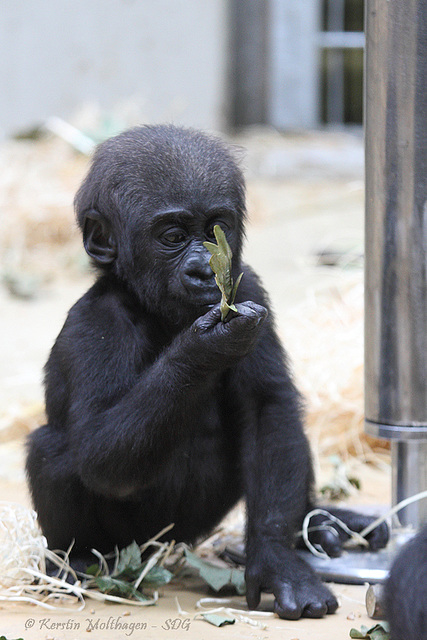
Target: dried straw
{"type": "Point", "coordinates": [23, 556]}
{"type": "Point", "coordinates": [325, 338]}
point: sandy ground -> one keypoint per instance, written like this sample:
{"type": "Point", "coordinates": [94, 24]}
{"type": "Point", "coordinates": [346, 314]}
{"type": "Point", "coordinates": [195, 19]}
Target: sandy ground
{"type": "Point", "coordinates": [305, 194]}
{"type": "Point", "coordinates": [162, 621]}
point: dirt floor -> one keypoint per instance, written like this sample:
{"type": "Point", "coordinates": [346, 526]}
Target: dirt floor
{"type": "Point", "coordinates": [305, 196]}
{"type": "Point", "coordinates": [162, 621]}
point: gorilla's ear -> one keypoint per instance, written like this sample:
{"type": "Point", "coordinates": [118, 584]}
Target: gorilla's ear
{"type": "Point", "coordinates": [98, 238]}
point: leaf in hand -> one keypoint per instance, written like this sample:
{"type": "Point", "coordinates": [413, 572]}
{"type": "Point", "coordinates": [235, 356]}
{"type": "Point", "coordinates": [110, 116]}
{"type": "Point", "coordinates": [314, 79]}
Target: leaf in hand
{"type": "Point", "coordinates": [220, 263]}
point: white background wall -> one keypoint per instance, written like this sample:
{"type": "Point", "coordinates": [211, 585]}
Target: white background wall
{"type": "Point", "coordinates": [167, 56]}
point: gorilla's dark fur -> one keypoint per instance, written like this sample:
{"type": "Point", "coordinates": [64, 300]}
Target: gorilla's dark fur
{"type": "Point", "coordinates": [158, 412]}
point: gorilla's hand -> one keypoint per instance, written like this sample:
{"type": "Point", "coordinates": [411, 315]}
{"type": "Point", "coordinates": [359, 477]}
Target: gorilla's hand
{"type": "Point", "coordinates": [332, 537]}
{"type": "Point", "coordinates": [218, 343]}
{"type": "Point", "coordinates": [273, 567]}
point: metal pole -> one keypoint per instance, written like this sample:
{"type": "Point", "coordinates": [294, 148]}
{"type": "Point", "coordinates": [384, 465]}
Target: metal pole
{"type": "Point", "coordinates": [395, 264]}
{"type": "Point", "coordinates": [396, 241]}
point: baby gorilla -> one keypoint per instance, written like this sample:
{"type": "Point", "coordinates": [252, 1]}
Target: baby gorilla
{"type": "Point", "coordinates": [159, 412]}
{"type": "Point", "coordinates": [406, 591]}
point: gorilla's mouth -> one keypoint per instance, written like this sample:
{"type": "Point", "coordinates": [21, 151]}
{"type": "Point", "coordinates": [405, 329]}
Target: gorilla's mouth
{"type": "Point", "coordinates": [208, 302]}
{"type": "Point", "coordinates": [202, 296]}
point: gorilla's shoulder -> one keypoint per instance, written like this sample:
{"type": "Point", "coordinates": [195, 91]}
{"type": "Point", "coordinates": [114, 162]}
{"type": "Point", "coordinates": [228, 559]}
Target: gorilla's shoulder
{"type": "Point", "coordinates": [104, 305]}
{"type": "Point", "coordinates": [252, 288]}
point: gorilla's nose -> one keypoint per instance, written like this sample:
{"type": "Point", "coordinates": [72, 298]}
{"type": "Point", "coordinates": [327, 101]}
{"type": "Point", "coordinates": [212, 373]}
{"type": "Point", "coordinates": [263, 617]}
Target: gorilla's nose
{"type": "Point", "coordinates": [197, 273]}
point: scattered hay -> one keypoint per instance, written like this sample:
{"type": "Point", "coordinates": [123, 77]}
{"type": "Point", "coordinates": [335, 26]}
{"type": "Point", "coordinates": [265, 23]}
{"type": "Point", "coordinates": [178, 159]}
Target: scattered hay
{"type": "Point", "coordinates": [18, 422]}
{"type": "Point", "coordinates": [23, 574]}
{"type": "Point", "coordinates": [22, 546]}
{"type": "Point", "coordinates": [325, 334]}
{"type": "Point", "coordinates": [37, 186]}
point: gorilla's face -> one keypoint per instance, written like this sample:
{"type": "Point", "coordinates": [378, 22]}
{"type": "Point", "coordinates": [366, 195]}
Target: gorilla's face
{"type": "Point", "coordinates": [146, 215]}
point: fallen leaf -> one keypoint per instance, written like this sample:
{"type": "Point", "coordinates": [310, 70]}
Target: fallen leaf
{"type": "Point", "coordinates": [378, 632]}
{"type": "Point", "coordinates": [217, 577]}
{"type": "Point", "coordinates": [217, 619]}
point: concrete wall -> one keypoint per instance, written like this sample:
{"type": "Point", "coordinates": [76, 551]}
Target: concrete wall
{"type": "Point", "coordinates": [294, 71]}
{"type": "Point", "coordinates": [249, 61]}
{"type": "Point", "coordinates": [168, 57]}
{"type": "Point", "coordinates": [275, 63]}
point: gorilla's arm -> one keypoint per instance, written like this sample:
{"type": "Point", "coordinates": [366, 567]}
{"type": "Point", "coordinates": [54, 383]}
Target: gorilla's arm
{"type": "Point", "coordinates": [129, 414]}
{"type": "Point", "coordinates": [279, 486]}
{"type": "Point", "coordinates": [278, 493]}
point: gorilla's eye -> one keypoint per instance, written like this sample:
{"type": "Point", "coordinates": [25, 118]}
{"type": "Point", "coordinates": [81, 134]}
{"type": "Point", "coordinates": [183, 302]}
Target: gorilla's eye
{"type": "Point", "coordinates": [173, 237]}
{"type": "Point", "coordinates": [210, 230]}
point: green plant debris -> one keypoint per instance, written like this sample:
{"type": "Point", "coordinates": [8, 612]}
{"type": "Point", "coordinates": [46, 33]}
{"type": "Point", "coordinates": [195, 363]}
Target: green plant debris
{"type": "Point", "coordinates": [134, 569]}
{"type": "Point", "coordinates": [218, 620]}
{"type": "Point", "coordinates": [125, 579]}
{"type": "Point", "coordinates": [129, 564]}
{"type": "Point", "coordinates": [220, 263]}
{"type": "Point", "coordinates": [378, 632]}
{"type": "Point", "coordinates": [116, 587]}
{"type": "Point", "coordinates": [217, 577]}
{"type": "Point", "coordinates": [336, 492]}
{"type": "Point", "coordinates": [341, 484]}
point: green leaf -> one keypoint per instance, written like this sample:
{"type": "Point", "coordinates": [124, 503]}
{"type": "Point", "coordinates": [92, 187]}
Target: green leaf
{"type": "Point", "coordinates": [157, 576]}
{"type": "Point", "coordinates": [129, 568]}
{"type": "Point", "coordinates": [222, 242]}
{"type": "Point", "coordinates": [356, 483]}
{"type": "Point", "coordinates": [378, 632]}
{"type": "Point", "coordinates": [217, 577]}
{"type": "Point", "coordinates": [220, 263]}
{"type": "Point", "coordinates": [355, 633]}
{"type": "Point", "coordinates": [116, 587]}
{"type": "Point", "coordinates": [218, 620]}
{"type": "Point", "coordinates": [129, 559]}
{"type": "Point", "coordinates": [92, 570]}
{"type": "Point", "coordinates": [233, 293]}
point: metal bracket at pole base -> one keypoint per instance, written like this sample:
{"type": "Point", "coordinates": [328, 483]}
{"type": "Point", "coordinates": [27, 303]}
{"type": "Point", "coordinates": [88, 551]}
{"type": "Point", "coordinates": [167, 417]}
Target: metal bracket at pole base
{"type": "Point", "coordinates": [408, 467]}
{"type": "Point", "coordinates": [416, 431]}
{"type": "Point", "coordinates": [352, 567]}
{"type": "Point", "coordinates": [358, 566]}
